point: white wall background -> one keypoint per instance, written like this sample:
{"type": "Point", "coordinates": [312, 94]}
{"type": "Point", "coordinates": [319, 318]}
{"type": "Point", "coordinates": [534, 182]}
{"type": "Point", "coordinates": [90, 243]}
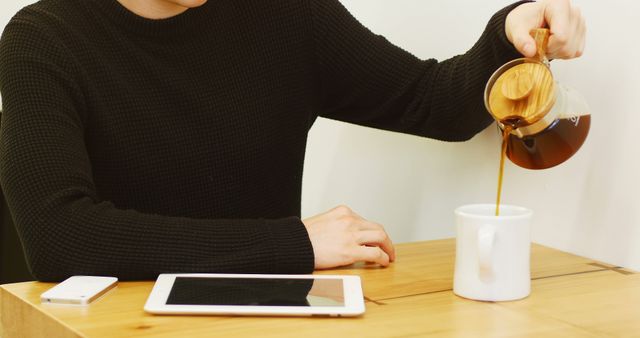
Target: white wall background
{"type": "Point", "coordinates": [411, 185]}
{"type": "Point", "coordinates": [586, 206]}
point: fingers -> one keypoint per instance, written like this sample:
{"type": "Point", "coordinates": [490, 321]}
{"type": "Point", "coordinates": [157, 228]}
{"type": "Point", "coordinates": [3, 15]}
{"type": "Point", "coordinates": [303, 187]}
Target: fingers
{"type": "Point", "coordinates": [341, 237]}
{"type": "Point", "coordinates": [371, 254]}
{"type": "Point", "coordinates": [520, 22]}
{"type": "Point", "coordinates": [568, 30]}
{"type": "Point", "coordinates": [566, 23]}
{"type": "Point", "coordinates": [525, 44]}
{"type": "Point", "coordinates": [519, 26]}
{"type": "Point", "coordinates": [583, 42]}
{"type": "Point", "coordinates": [557, 14]}
{"type": "Point", "coordinates": [374, 232]}
{"type": "Point", "coordinates": [378, 238]}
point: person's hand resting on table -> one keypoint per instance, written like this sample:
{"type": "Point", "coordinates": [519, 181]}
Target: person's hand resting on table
{"type": "Point", "coordinates": [341, 237]}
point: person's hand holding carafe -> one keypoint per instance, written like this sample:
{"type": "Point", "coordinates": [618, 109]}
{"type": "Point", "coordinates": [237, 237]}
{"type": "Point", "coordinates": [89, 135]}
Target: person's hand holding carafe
{"type": "Point", "coordinates": [565, 21]}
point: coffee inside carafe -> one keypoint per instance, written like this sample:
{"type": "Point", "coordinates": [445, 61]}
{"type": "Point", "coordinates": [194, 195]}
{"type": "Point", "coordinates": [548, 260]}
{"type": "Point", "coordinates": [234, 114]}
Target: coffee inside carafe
{"type": "Point", "coordinates": [552, 146]}
{"type": "Point", "coordinates": [548, 122]}
{"type": "Point", "coordinates": [543, 123]}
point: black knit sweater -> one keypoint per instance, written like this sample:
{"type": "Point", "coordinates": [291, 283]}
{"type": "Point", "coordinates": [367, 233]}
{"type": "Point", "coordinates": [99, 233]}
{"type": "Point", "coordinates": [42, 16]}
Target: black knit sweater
{"type": "Point", "coordinates": [131, 147]}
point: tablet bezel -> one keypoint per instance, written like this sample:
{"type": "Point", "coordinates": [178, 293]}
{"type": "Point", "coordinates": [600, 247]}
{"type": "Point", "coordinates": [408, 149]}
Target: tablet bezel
{"type": "Point", "coordinates": [352, 288]}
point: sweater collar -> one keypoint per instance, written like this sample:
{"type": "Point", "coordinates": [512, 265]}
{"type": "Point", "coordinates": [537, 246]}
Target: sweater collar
{"type": "Point", "coordinates": [175, 26]}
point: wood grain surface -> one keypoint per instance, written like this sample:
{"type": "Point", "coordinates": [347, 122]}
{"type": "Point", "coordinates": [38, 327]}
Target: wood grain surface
{"type": "Point", "coordinates": [571, 297]}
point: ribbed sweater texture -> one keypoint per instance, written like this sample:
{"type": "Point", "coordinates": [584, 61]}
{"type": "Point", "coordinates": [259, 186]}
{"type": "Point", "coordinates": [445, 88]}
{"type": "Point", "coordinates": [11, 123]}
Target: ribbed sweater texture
{"type": "Point", "coordinates": [131, 147]}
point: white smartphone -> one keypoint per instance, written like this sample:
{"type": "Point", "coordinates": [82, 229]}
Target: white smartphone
{"type": "Point", "coordinates": [79, 290]}
{"type": "Point", "coordinates": [245, 294]}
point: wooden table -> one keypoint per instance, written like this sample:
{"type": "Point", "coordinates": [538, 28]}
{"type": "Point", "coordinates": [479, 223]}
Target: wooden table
{"type": "Point", "coordinates": [571, 297]}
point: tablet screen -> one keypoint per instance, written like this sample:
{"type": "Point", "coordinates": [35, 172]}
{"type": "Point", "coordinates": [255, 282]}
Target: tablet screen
{"type": "Point", "coordinates": [256, 292]}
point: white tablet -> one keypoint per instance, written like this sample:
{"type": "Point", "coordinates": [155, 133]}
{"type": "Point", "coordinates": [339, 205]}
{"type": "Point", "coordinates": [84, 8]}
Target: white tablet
{"type": "Point", "coordinates": [275, 295]}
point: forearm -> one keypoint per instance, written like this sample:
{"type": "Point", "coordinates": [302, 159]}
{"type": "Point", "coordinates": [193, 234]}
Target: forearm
{"type": "Point", "coordinates": [449, 101]}
{"type": "Point", "coordinates": [75, 236]}
{"type": "Point", "coordinates": [364, 79]}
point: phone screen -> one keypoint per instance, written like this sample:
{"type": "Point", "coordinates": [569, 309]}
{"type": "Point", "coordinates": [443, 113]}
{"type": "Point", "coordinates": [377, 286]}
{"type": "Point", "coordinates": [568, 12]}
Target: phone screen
{"type": "Point", "coordinates": [256, 291]}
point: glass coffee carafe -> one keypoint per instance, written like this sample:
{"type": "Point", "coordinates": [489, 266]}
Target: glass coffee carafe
{"type": "Point", "coordinates": [544, 122]}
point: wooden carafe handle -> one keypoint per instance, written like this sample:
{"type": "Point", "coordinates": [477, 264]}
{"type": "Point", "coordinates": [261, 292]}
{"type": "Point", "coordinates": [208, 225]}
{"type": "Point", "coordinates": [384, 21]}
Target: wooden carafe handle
{"type": "Point", "coordinates": [541, 36]}
{"type": "Point", "coordinates": [519, 82]}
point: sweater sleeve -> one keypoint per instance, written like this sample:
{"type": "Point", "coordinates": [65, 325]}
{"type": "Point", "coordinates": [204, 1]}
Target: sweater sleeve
{"type": "Point", "coordinates": [364, 79]}
{"type": "Point", "coordinates": [66, 228]}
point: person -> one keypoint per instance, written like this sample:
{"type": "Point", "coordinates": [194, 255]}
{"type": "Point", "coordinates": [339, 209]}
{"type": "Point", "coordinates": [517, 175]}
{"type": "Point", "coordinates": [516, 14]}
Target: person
{"type": "Point", "coordinates": [148, 136]}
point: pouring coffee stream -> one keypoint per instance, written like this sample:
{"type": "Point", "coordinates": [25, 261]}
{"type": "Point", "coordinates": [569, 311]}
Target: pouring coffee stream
{"type": "Point", "coordinates": [543, 122]}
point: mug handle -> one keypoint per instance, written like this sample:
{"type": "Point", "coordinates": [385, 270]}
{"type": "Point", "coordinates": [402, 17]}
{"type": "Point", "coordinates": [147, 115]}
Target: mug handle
{"type": "Point", "coordinates": [486, 238]}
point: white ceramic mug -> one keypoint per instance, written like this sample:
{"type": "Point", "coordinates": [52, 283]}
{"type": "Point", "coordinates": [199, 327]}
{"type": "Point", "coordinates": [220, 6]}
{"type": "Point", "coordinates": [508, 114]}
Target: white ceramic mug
{"type": "Point", "coordinates": [492, 252]}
